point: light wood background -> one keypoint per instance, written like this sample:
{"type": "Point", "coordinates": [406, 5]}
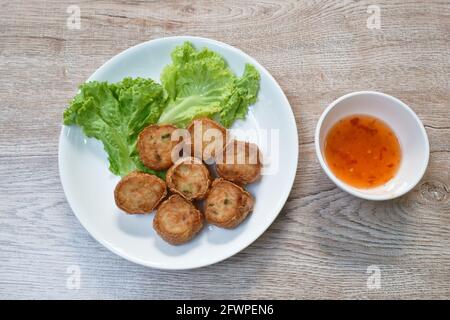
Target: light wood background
{"type": "Point", "coordinates": [324, 240]}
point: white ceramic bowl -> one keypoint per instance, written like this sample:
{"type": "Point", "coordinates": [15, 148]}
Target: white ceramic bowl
{"type": "Point", "coordinates": [402, 120]}
{"type": "Point", "coordinates": [89, 186]}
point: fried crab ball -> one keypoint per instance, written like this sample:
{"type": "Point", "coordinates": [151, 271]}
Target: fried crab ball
{"type": "Point", "coordinates": [208, 138]}
{"type": "Point", "coordinates": [139, 192]}
{"type": "Point", "coordinates": [227, 204]}
{"type": "Point", "coordinates": [189, 177]}
{"type": "Point", "coordinates": [155, 146]}
{"type": "Point", "coordinates": [177, 220]}
{"type": "Point", "coordinates": [240, 162]}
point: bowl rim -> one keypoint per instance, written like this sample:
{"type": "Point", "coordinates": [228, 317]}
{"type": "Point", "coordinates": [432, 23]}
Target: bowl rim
{"type": "Point", "coordinates": [354, 191]}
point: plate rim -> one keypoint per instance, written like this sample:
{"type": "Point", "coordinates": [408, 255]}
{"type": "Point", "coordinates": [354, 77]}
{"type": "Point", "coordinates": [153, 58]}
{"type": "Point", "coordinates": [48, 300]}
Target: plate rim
{"type": "Point", "coordinates": [238, 249]}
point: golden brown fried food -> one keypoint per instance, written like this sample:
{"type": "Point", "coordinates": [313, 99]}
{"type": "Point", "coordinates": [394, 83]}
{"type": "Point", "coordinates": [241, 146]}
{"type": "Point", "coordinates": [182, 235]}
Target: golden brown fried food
{"type": "Point", "coordinates": [240, 162]}
{"type": "Point", "coordinates": [139, 192]}
{"type": "Point", "coordinates": [227, 204]}
{"type": "Point", "coordinates": [155, 146]}
{"type": "Point", "coordinates": [177, 220]}
{"type": "Point", "coordinates": [208, 138]}
{"type": "Point", "coordinates": [189, 177]}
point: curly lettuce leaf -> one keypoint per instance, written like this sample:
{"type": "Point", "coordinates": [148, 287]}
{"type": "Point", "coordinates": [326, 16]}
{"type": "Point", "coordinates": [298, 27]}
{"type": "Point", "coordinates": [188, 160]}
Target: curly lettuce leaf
{"type": "Point", "coordinates": [115, 114]}
{"type": "Point", "coordinates": [200, 83]}
{"type": "Point", "coordinates": [244, 94]}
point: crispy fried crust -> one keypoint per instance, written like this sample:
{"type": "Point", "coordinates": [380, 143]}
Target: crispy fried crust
{"type": "Point", "coordinates": [203, 133]}
{"type": "Point", "coordinates": [240, 162]}
{"type": "Point", "coordinates": [189, 177]}
{"type": "Point", "coordinates": [177, 220]}
{"type": "Point", "coordinates": [155, 146]}
{"type": "Point", "coordinates": [227, 204]}
{"type": "Point", "coordinates": [139, 192]}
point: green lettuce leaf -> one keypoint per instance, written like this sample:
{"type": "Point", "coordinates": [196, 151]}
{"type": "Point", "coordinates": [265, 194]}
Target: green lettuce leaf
{"type": "Point", "coordinates": [244, 94]}
{"type": "Point", "coordinates": [115, 114]}
{"type": "Point", "coordinates": [200, 83]}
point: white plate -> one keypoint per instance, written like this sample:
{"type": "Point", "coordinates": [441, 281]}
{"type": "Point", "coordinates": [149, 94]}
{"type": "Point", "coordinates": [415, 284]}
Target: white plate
{"type": "Point", "coordinates": [89, 185]}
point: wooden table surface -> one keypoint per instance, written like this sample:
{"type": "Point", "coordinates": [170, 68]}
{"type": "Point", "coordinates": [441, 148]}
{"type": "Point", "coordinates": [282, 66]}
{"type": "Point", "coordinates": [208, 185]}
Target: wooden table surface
{"type": "Point", "coordinates": [325, 243]}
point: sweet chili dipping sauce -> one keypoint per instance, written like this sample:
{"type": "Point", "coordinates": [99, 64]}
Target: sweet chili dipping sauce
{"type": "Point", "coordinates": [362, 151]}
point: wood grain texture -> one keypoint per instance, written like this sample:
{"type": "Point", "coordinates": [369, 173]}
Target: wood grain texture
{"type": "Point", "coordinates": [324, 239]}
